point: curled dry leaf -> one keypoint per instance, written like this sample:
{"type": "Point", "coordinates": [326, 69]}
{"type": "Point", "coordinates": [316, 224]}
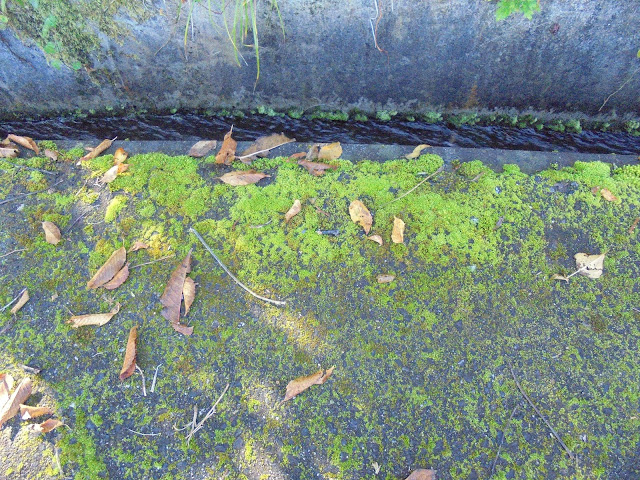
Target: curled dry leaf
{"type": "Point", "coordinates": [129, 364]}
{"type": "Point", "coordinates": [422, 474]}
{"type": "Point", "coordinates": [97, 150]}
{"type": "Point", "coordinates": [590, 266]}
{"type": "Point", "coordinates": [93, 318]}
{"type": "Point", "coordinates": [228, 150]}
{"type": "Point", "coordinates": [8, 152]}
{"type": "Point", "coordinates": [330, 152]}
{"type": "Point", "coordinates": [110, 175]}
{"type": "Point", "coordinates": [23, 299]}
{"type": "Point", "coordinates": [172, 296]}
{"type": "Point", "coordinates": [118, 279]}
{"type": "Point", "coordinates": [386, 278]}
{"type": "Point", "coordinates": [300, 384]}
{"type": "Point", "coordinates": [188, 293]}
{"type": "Point", "coordinates": [557, 276]}
{"type": "Point", "coordinates": [376, 238]}
{"type": "Point", "coordinates": [243, 177]}
{"type": "Point", "coordinates": [633, 226]}
{"type": "Point", "coordinates": [416, 151]}
{"type": "Point", "coordinates": [201, 148]}
{"type": "Point", "coordinates": [122, 167]}
{"type": "Point", "coordinates": [397, 234]}
{"type": "Point", "coordinates": [361, 215]}
{"type": "Point", "coordinates": [19, 396]}
{"type": "Point", "coordinates": [6, 385]}
{"type": "Point", "coordinates": [293, 211]}
{"type": "Point", "coordinates": [608, 196]}
{"type": "Point", "coordinates": [107, 271]}
{"type": "Point", "coordinates": [51, 233]}
{"type": "Point", "coordinates": [315, 168]}
{"type": "Point", "coordinates": [46, 426]}
{"type": "Point", "coordinates": [138, 246]}
{"type": "Point", "coordinates": [27, 411]}
{"type": "Point", "coordinates": [51, 154]}
{"type": "Point", "coordinates": [120, 156]}
{"type": "Point", "coordinates": [262, 145]}
{"type": "Point", "coordinates": [26, 142]}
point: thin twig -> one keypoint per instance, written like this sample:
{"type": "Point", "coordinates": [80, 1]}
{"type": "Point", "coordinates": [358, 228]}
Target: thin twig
{"type": "Point", "coordinates": [30, 193]}
{"type": "Point", "coordinates": [155, 376]}
{"type": "Point", "coordinates": [247, 289]}
{"type": "Point", "coordinates": [554, 433]}
{"type": "Point", "coordinates": [144, 389]}
{"type": "Point", "coordinates": [621, 87]}
{"type": "Point", "coordinates": [262, 225]}
{"type": "Point", "coordinates": [262, 151]}
{"type": "Point", "coordinates": [79, 218]}
{"type": "Point", "coordinates": [208, 415]}
{"type": "Point", "coordinates": [407, 193]}
{"type": "Point", "coordinates": [144, 434]}
{"type": "Point", "coordinates": [12, 301]}
{"type": "Point", "coordinates": [13, 251]}
{"type": "Point", "coordinates": [504, 434]}
{"type": "Point", "coordinates": [28, 167]}
{"type": "Point", "coordinates": [153, 261]}
{"type": "Point", "coordinates": [57, 456]}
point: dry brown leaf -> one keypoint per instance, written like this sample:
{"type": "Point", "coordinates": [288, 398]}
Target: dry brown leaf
{"type": "Point", "coordinates": [183, 329]}
{"type": "Point", "coordinates": [386, 278]}
{"type": "Point", "coordinates": [316, 168]}
{"type": "Point", "coordinates": [416, 151]}
{"type": "Point", "coordinates": [6, 385]}
{"type": "Point", "coordinates": [590, 265]}
{"type": "Point", "coordinates": [557, 276]}
{"type": "Point", "coordinates": [376, 238]}
{"type": "Point", "coordinates": [120, 156]}
{"type": "Point", "coordinates": [397, 234]}
{"type": "Point", "coordinates": [8, 152]}
{"type": "Point", "coordinates": [118, 279]}
{"type": "Point", "coordinates": [19, 396]}
{"type": "Point", "coordinates": [293, 211]}
{"type": "Point", "coordinates": [138, 245]}
{"type": "Point", "coordinates": [23, 299]}
{"type": "Point", "coordinates": [608, 196]}
{"type": "Point", "coordinates": [361, 215]}
{"type": "Point", "coordinates": [129, 364]}
{"type": "Point", "coordinates": [188, 293]}
{"type": "Point", "coordinates": [422, 474]}
{"type": "Point", "coordinates": [172, 296]}
{"type": "Point", "coordinates": [595, 190]}
{"type": "Point", "coordinates": [300, 384]}
{"type": "Point", "coordinates": [201, 148]}
{"type": "Point", "coordinates": [51, 233]}
{"type": "Point", "coordinates": [330, 152]}
{"type": "Point", "coordinates": [26, 142]}
{"type": "Point", "coordinates": [107, 271]}
{"type": "Point", "coordinates": [27, 411]}
{"type": "Point", "coordinates": [262, 145]}
{"type": "Point", "coordinates": [122, 167]}
{"type": "Point", "coordinates": [110, 175]}
{"type": "Point", "coordinates": [45, 427]}
{"type": "Point", "coordinates": [633, 226]}
{"type": "Point", "coordinates": [93, 318]}
{"type": "Point", "coordinates": [228, 150]}
{"type": "Point", "coordinates": [243, 177]}
{"type": "Point", "coordinates": [51, 154]}
{"type": "Point", "coordinates": [98, 150]}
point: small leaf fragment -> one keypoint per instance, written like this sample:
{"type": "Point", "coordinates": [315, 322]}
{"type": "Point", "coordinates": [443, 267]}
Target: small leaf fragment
{"type": "Point", "coordinates": [23, 299]}
{"type": "Point", "coordinates": [361, 215]}
{"type": "Point", "coordinates": [315, 168]}
{"type": "Point", "coordinates": [46, 426]}
{"type": "Point", "coordinates": [300, 384]}
{"type": "Point", "coordinates": [120, 156]}
{"type": "Point", "coordinates": [241, 178]}
{"type": "Point", "coordinates": [262, 145]}
{"type": "Point", "coordinates": [183, 329]}
{"type": "Point", "coordinates": [97, 150]}
{"type": "Point", "coordinates": [227, 152]}
{"type": "Point", "coordinates": [422, 474]}
{"type": "Point", "coordinates": [608, 196]}
{"type": "Point", "coordinates": [416, 151]}
{"type": "Point", "coordinates": [27, 411]}
{"type": "Point", "coordinates": [172, 296]}
{"type": "Point", "coordinates": [590, 266]}
{"type": "Point", "coordinates": [201, 148]}
{"type": "Point", "coordinates": [8, 152]}
{"type": "Point", "coordinates": [138, 245]}
{"type": "Point", "coordinates": [188, 293]}
{"type": "Point", "coordinates": [376, 238]}
{"type": "Point", "coordinates": [397, 234]}
{"type": "Point", "coordinates": [386, 278]}
{"type": "Point", "coordinates": [118, 279]}
{"type": "Point", "coordinates": [98, 319]}
{"type": "Point", "coordinates": [51, 154]}
{"type": "Point", "coordinates": [330, 152]}
{"type": "Point", "coordinates": [107, 271]}
{"type": "Point", "coordinates": [557, 276]}
{"type": "Point", "coordinates": [633, 226]}
{"type": "Point", "coordinates": [6, 385]}
{"type": "Point", "coordinates": [19, 396]}
{"type": "Point", "coordinates": [129, 363]}
{"type": "Point", "coordinates": [293, 211]}
{"type": "Point", "coordinates": [110, 175]}
{"type": "Point", "coordinates": [51, 233]}
{"type": "Point", "coordinates": [26, 142]}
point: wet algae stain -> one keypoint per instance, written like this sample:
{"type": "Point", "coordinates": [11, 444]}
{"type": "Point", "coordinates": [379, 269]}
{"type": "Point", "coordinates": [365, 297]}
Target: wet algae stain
{"type": "Point", "coordinates": [422, 373]}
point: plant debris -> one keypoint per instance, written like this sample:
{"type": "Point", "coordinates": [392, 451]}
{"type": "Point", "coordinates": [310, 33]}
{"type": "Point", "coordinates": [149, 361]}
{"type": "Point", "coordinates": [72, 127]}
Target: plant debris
{"type": "Point", "coordinates": [293, 211]}
{"type": "Point", "coordinates": [93, 318]}
{"type": "Point", "coordinates": [300, 384]}
{"type": "Point", "coordinates": [51, 233]}
{"type": "Point", "coordinates": [243, 177]}
{"type": "Point", "coordinates": [118, 279]}
{"type": "Point", "coordinates": [46, 426]}
{"type": "Point", "coordinates": [331, 151]}
{"type": "Point", "coordinates": [361, 215]}
{"type": "Point", "coordinates": [27, 411]}
{"type": "Point", "coordinates": [386, 278]}
{"type": "Point", "coordinates": [120, 156]}
{"type": "Point", "coordinates": [138, 246]}
{"type": "Point", "coordinates": [589, 265]}
{"type": "Point", "coordinates": [12, 406]}
{"type": "Point", "coordinates": [417, 152]}
{"type": "Point", "coordinates": [188, 294]}
{"type": "Point", "coordinates": [94, 152]}
{"type": "Point", "coordinates": [201, 148]}
{"type": "Point", "coordinates": [263, 145]}
{"type": "Point", "coordinates": [376, 238]}
{"type": "Point", "coordinates": [172, 296]}
{"type": "Point", "coordinates": [227, 152]}
{"type": "Point", "coordinates": [397, 234]}
{"type": "Point", "coordinates": [129, 363]}
{"type": "Point", "coordinates": [26, 142]}
{"type": "Point", "coordinates": [316, 168]}
{"type": "Point", "coordinates": [112, 266]}
{"type": "Point", "coordinates": [422, 474]}
{"type": "Point", "coordinates": [24, 298]}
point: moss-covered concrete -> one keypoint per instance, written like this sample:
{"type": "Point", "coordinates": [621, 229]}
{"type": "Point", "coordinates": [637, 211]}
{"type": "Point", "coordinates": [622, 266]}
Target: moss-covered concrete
{"type": "Point", "coordinates": [422, 374]}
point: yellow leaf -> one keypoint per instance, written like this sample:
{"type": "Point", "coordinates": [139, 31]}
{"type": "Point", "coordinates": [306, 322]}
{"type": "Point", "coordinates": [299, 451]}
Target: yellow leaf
{"type": "Point", "coordinates": [120, 156]}
{"type": "Point", "coordinates": [93, 318]}
{"type": "Point", "coordinates": [201, 148]}
{"type": "Point", "coordinates": [293, 211]}
{"type": "Point", "coordinates": [397, 235]}
{"type": "Point", "coordinates": [416, 151]}
{"type": "Point", "coordinates": [361, 215]}
{"type": "Point", "coordinates": [330, 152]}
{"type": "Point", "coordinates": [608, 196]}
{"type": "Point", "coordinates": [188, 294]}
{"type": "Point", "coordinates": [386, 278]}
{"type": "Point", "coordinates": [376, 238]}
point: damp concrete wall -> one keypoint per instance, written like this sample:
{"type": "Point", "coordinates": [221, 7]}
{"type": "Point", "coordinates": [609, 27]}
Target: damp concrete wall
{"type": "Point", "coordinates": [435, 54]}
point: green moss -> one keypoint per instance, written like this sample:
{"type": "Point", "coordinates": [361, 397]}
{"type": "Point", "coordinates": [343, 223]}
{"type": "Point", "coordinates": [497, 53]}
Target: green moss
{"type": "Point", "coordinates": [115, 206]}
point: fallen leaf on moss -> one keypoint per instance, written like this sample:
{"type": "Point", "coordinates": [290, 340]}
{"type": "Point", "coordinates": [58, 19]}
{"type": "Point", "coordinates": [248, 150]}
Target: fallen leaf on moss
{"type": "Point", "coordinates": [422, 474]}
{"type": "Point", "coordinates": [51, 154]}
{"type": "Point", "coordinates": [241, 178]}
{"type": "Point", "coordinates": [228, 150]}
{"type": "Point", "coordinates": [129, 363]}
{"type": "Point", "coordinates": [27, 411]}
{"type": "Point", "coordinates": [608, 196]}
{"type": "Point", "coordinates": [172, 296]}
{"type": "Point", "coordinates": [19, 396]}
{"type": "Point", "coordinates": [188, 294]}
{"type": "Point", "coordinates": [417, 151]}
{"type": "Point", "coordinates": [110, 175]}
{"type": "Point", "coordinates": [361, 215]}
{"type": "Point", "coordinates": [6, 385]}
{"type": "Point", "coordinates": [386, 278]}
{"type": "Point", "coordinates": [26, 142]}
{"type": "Point", "coordinates": [46, 426]}
{"type": "Point", "coordinates": [120, 156]}
{"type": "Point", "coordinates": [97, 150]}
{"type": "Point", "coordinates": [557, 276]}
{"type": "Point", "coordinates": [23, 299]}
{"type": "Point", "coordinates": [293, 211]}
{"type": "Point", "coordinates": [8, 152]}
{"type": "Point", "coordinates": [590, 266]}
{"type": "Point", "coordinates": [397, 234]}
{"type": "Point", "coordinates": [330, 152]}
{"type": "Point", "coordinates": [107, 271]}
{"type": "Point", "coordinates": [183, 329]}
{"type": "Point", "coordinates": [118, 279]}
{"type": "Point", "coordinates": [51, 233]}
{"type": "Point", "coordinates": [201, 148]}
{"type": "Point", "coordinates": [93, 318]}
{"type": "Point", "coordinates": [633, 226]}
{"type": "Point", "coordinates": [595, 190]}
{"type": "Point", "coordinates": [315, 168]}
{"type": "Point", "coordinates": [122, 167]}
{"type": "Point", "coordinates": [262, 145]}
{"type": "Point", "coordinates": [300, 384]}
{"type": "Point", "coordinates": [138, 246]}
{"type": "Point", "coordinates": [376, 238]}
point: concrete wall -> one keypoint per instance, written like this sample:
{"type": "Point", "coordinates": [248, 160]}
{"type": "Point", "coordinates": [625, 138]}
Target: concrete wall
{"type": "Point", "coordinates": [437, 53]}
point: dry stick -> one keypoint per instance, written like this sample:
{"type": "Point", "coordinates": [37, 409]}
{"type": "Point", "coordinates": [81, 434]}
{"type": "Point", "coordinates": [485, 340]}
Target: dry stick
{"type": "Point", "coordinates": [247, 289]}
{"type": "Point", "coordinates": [153, 261]}
{"type": "Point", "coordinates": [208, 415]}
{"type": "Point", "coordinates": [155, 376]}
{"type": "Point", "coordinates": [13, 251]}
{"type": "Point", "coordinates": [407, 193]}
{"type": "Point", "coordinates": [262, 151]}
{"type": "Point", "coordinates": [79, 218]}
{"type": "Point", "coordinates": [144, 434]}
{"type": "Point", "coordinates": [555, 434]}
{"type": "Point", "coordinates": [504, 434]}
{"type": "Point", "coordinates": [30, 193]}
{"type": "Point", "coordinates": [144, 389]}
{"type": "Point", "coordinates": [257, 226]}
{"type": "Point", "coordinates": [12, 301]}
{"type": "Point", "coordinates": [621, 87]}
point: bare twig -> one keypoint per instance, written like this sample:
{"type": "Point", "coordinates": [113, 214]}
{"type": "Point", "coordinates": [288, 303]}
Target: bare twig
{"type": "Point", "coordinates": [408, 192]}
{"type": "Point", "coordinates": [504, 434]}
{"type": "Point", "coordinates": [262, 151]}
{"type": "Point", "coordinates": [144, 388]}
{"type": "Point", "coordinates": [244, 287]}
{"type": "Point", "coordinates": [197, 426]}
{"type": "Point", "coordinates": [153, 261]}
{"type": "Point", "coordinates": [13, 251]}
{"type": "Point", "coordinates": [155, 376]}
{"type": "Point", "coordinates": [553, 432]}
{"type": "Point", "coordinates": [29, 369]}
{"type": "Point", "coordinates": [12, 301]}
{"type": "Point", "coordinates": [144, 434]}
{"type": "Point", "coordinates": [79, 218]}
{"type": "Point", "coordinates": [27, 194]}
{"type": "Point", "coordinates": [261, 225]}
{"type": "Point", "coordinates": [57, 456]}
{"type": "Point", "coordinates": [624, 84]}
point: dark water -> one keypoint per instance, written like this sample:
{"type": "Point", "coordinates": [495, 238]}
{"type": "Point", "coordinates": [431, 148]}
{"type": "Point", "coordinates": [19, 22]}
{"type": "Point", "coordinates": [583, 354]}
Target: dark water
{"type": "Point", "coordinates": [400, 132]}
